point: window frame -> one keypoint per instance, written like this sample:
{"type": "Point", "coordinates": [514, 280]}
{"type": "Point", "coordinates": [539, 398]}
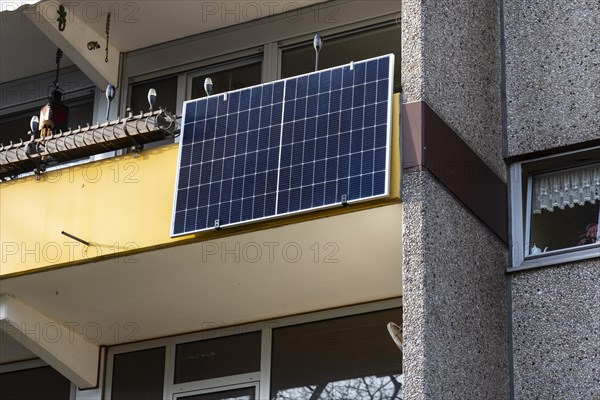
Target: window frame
{"type": "Point", "coordinates": [262, 377]}
{"type": "Point", "coordinates": [521, 225]}
{"type": "Point", "coordinates": [182, 72]}
{"type": "Point", "coordinates": [220, 67]}
{"type": "Point", "coordinates": [340, 31]}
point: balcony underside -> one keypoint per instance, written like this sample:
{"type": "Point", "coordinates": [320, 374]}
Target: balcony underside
{"type": "Point", "coordinates": [326, 263]}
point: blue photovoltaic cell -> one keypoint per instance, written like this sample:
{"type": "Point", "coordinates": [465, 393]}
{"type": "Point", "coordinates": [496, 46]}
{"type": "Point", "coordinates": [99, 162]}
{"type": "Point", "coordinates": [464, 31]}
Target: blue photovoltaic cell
{"type": "Point", "coordinates": [306, 142]}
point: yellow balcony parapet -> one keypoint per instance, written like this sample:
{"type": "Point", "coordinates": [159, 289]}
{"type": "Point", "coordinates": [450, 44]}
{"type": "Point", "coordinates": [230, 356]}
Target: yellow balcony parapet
{"type": "Point", "coordinates": [121, 206]}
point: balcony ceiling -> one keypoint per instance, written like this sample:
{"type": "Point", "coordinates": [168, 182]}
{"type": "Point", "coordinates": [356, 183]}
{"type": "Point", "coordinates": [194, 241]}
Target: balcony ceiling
{"type": "Point", "coordinates": [142, 24]}
{"type": "Point", "coordinates": [238, 279]}
{"type": "Point", "coordinates": [25, 51]}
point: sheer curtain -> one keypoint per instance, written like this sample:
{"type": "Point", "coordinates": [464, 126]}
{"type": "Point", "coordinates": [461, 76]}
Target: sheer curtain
{"type": "Point", "coordinates": [566, 188]}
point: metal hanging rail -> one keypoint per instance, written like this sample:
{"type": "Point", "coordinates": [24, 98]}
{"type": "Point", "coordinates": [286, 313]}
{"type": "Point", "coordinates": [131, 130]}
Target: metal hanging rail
{"type": "Point", "coordinates": [38, 153]}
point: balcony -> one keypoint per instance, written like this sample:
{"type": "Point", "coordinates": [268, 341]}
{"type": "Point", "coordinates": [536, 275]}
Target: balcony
{"type": "Point", "coordinates": [120, 271]}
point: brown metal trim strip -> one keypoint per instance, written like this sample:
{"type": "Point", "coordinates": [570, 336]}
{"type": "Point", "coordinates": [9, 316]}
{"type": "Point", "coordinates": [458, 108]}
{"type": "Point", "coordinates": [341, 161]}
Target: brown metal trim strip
{"type": "Point", "coordinates": [430, 143]}
{"type": "Point", "coordinates": [412, 136]}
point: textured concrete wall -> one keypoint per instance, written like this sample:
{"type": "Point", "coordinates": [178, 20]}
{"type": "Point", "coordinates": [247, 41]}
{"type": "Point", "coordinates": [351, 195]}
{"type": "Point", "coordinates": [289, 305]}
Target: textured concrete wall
{"type": "Point", "coordinates": [453, 266]}
{"type": "Point", "coordinates": [556, 332]}
{"type": "Point", "coordinates": [552, 70]}
{"type": "Point", "coordinates": [451, 59]}
{"type": "Point", "coordinates": [454, 298]}
{"type": "Point", "coordinates": [553, 99]}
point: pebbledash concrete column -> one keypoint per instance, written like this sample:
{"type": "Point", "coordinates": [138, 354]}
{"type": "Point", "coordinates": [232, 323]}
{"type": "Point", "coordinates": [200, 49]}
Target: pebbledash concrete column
{"type": "Point", "coordinates": [553, 101]}
{"type": "Point", "coordinates": [455, 313]}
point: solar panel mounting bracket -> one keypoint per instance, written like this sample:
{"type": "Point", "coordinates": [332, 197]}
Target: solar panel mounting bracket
{"type": "Point", "coordinates": [344, 200]}
{"type": "Point", "coordinates": [218, 224]}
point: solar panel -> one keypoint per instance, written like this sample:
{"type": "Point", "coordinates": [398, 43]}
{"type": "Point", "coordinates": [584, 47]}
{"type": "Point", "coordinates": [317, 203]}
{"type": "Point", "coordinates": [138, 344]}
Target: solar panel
{"type": "Point", "coordinates": [312, 141]}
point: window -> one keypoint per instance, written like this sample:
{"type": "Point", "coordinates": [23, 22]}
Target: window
{"type": "Point", "coordinates": [16, 126]}
{"type": "Point", "coordinates": [226, 80]}
{"type": "Point", "coordinates": [344, 48]}
{"type": "Point", "coordinates": [36, 383]}
{"type": "Point", "coordinates": [208, 359]}
{"type": "Point", "coordinates": [226, 76]}
{"type": "Point", "coordinates": [139, 375]}
{"type": "Point", "coordinates": [166, 91]}
{"type": "Point", "coordinates": [556, 209]}
{"type": "Point", "coordinates": [343, 358]}
{"type": "Point", "coordinates": [329, 355]}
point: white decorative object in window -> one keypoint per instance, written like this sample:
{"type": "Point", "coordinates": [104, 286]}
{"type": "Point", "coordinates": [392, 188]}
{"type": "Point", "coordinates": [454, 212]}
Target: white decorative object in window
{"type": "Point", "coordinates": [566, 188]}
{"type": "Point", "coordinates": [555, 209]}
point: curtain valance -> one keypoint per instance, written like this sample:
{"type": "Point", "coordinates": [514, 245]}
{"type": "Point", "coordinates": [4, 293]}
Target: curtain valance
{"type": "Point", "coordinates": [566, 188]}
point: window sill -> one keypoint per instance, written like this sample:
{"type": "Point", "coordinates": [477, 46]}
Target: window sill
{"type": "Point", "coordinates": [558, 257]}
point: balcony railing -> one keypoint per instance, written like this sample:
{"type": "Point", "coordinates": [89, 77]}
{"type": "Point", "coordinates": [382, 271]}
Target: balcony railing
{"type": "Point", "coordinates": [132, 131]}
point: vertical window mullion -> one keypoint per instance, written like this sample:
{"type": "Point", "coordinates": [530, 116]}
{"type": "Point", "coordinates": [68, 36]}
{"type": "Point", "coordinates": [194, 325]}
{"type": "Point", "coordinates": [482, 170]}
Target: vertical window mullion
{"type": "Point", "coordinates": [169, 371]}
{"type": "Point", "coordinates": [270, 63]}
{"type": "Point", "coordinates": [265, 364]}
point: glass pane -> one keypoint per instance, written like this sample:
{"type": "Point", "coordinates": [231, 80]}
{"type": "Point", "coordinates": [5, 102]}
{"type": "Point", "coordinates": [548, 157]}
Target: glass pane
{"type": "Point", "coordinates": [213, 358]}
{"type": "Point", "coordinates": [81, 113]}
{"type": "Point", "coordinates": [341, 50]}
{"type": "Point", "coordinates": [38, 383]}
{"type": "Point", "coordinates": [344, 358]}
{"type": "Point", "coordinates": [15, 127]}
{"type": "Point", "coordinates": [139, 375]}
{"type": "Point", "coordinates": [562, 229]}
{"type": "Point", "coordinates": [364, 388]}
{"type": "Point", "coordinates": [230, 79]}
{"type": "Point", "coordinates": [236, 394]}
{"type": "Point", "coordinates": [166, 91]}
{"type": "Point", "coordinates": [565, 209]}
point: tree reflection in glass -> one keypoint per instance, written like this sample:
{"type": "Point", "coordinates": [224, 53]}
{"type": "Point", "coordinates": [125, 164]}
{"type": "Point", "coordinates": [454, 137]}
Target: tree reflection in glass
{"type": "Point", "coordinates": [364, 388]}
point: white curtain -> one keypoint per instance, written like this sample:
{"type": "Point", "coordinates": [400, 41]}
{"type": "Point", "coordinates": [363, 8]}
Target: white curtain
{"type": "Point", "coordinates": [566, 188]}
